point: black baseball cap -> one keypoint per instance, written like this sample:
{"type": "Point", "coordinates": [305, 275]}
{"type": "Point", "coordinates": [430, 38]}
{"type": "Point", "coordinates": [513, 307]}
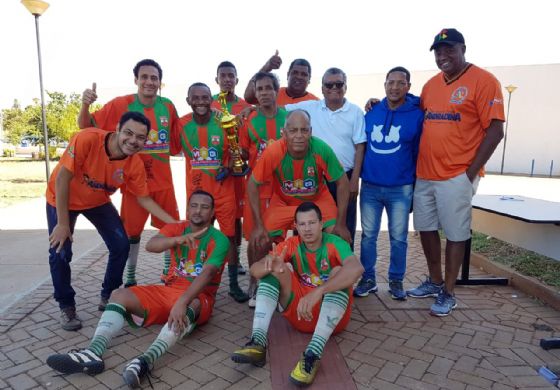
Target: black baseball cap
{"type": "Point", "coordinates": [448, 36]}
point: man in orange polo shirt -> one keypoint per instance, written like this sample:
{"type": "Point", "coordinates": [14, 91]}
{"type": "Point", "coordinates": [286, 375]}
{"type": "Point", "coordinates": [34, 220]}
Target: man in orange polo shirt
{"type": "Point", "coordinates": [299, 74]}
{"type": "Point", "coordinates": [94, 165]}
{"type": "Point", "coordinates": [463, 124]}
{"type": "Point", "coordinates": [163, 116]}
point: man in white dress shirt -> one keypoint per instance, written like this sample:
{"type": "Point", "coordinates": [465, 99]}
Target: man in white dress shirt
{"type": "Point", "coordinates": [341, 125]}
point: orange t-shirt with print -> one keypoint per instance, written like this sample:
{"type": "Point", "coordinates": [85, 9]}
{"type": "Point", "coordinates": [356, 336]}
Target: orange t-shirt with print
{"type": "Point", "coordinates": [282, 98]}
{"type": "Point", "coordinates": [164, 127]}
{"type": "Point", "coordinates": [95, 176]}
{"type": "Point", "coordinates": [456, 117]}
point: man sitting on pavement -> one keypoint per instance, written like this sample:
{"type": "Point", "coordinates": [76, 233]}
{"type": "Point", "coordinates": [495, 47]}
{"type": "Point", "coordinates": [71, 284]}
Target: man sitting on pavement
{"type": "Point", "coordinates": [94, 165]}
{"type": "Point", "coordinates": [313, 290]}
{"type": "Point", "coordinates": [198, 253]}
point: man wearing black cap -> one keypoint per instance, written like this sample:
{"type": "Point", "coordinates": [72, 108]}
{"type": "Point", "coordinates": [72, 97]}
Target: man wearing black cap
{"type": "Point", "coordinates": [463, 124]}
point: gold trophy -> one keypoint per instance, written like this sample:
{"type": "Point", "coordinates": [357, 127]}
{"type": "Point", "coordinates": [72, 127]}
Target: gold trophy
{"type": "Point", "coordinates": [230, 125]}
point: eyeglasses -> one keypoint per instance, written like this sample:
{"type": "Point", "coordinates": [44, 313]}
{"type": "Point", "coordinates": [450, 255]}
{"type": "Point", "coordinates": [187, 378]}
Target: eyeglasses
{"type": "Point", "coordinates": [338, 85]}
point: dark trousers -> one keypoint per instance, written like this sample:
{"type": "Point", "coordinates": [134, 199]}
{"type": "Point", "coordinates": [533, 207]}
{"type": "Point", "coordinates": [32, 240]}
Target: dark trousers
{"type": "Point", "coordinates": [350, 211]}
{"type": "Point", "coordinates": [106, 220]}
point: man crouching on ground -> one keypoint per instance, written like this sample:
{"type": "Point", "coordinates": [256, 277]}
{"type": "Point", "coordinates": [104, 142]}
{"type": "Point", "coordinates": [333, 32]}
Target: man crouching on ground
{"type": "Point", "coordinates": [313, 289]}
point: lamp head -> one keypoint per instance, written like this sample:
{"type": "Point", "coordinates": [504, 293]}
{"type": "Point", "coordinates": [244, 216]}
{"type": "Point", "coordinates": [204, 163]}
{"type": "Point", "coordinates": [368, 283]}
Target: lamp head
{"type": "Point", "coordinates": [36, 7]}
{"type": "Point", "coordinates": [511, 88]}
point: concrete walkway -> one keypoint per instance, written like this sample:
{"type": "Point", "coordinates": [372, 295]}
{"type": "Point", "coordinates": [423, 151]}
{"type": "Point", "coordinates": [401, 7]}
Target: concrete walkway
{"type": "Point", "coordinates": [489, 342]}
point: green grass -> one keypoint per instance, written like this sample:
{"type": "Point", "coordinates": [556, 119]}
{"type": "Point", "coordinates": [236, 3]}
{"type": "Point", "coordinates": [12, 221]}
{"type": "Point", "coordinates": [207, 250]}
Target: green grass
{"type": "Point", "coordinates": [21, 179]}
{"type": "Point", "coordinates": [523, 261]}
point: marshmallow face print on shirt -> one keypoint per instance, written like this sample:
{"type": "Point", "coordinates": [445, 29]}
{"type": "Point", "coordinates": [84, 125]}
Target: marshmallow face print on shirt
{"type": "Point", "coordinates": [385, 144]}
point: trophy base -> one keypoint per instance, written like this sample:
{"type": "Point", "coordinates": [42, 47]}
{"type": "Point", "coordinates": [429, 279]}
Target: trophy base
{"type": "Point", "coordinates": [240, 171]}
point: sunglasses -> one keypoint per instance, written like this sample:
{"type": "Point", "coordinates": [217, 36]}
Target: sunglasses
{"type": "Point", "coordinates": [338, 85]}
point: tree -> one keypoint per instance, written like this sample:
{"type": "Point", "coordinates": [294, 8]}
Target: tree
{"type": "Point", "coordinates": [61, 112]}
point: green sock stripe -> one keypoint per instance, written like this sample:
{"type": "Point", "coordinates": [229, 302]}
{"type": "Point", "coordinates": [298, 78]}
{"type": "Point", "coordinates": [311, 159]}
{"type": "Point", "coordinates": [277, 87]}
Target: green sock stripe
{"type": "Point", "coordinates": [268, 291]}
{"type": "Point", "coordinates": [317, 345]}
{"type": "Point", "coordinates": [131, 272]}
{"type": "Point", "coordinates": [270, 280]}
{"type": "Point", "coordinates": [166, 261]}
{"type": "Point", "coordinates": [98, 345]}
{"type": "Point", "coordinates": [134, 240]}
{"type": "Point", "coordinates": [116, 308]}
{"type": "Point", "coordinates": [156, 350]}
{"type": "Point", "coordinates": [260, 337]}
{"type": "Point", "coordinates": [191, 315]}
{"type": "Point", "coordinates": [337, 299]}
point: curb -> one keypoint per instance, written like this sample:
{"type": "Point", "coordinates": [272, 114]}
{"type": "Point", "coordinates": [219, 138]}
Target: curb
{"type": "Point", "coordinates": [527, 284]}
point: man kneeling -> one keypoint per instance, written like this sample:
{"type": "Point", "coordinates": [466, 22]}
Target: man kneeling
{"type": "Point", "coordinates": [198, 252]}
{"type": "Point", "coordinates": [309, 277]}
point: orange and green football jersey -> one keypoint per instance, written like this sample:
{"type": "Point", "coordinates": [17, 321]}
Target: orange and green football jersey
{"type": "Point", "coordinates": [234, 107]}
{"type": "Point", "coordinates": [187, 262]}
{"type": "Point", "coordinates": [313, 267]}
{"type": "Point", "coordinates": [297, 180]}
{"type": "Point", "coordinates": [163, 118]}
{"type": "Point", "coordinates": [206, 150]}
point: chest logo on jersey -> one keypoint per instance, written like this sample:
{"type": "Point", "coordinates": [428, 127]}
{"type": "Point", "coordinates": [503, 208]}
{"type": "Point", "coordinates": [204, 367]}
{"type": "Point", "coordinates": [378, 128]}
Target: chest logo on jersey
{"type": "Point", "coordinates": [311, 280]}
{"type": "Point", "coordinates": [205, 158]}
{"type": "Point", "coordinates": [118, 176]}
{"type": "Point", "coordinates": [164, 121]}
{"type": "Point", "coordinates": [459, 95]}
{"type": "Point", "coordinates": [324, 265]}
{"type": "Point", "coordinates": [156, 142]}
{"type": "Point", "coordinates": [310, 171]}
{"type": "Point", "coordinates": [188, 268]}
{"type": "Point", "coordinates": [215, 140]}
{"type": "Point", "coordinates": [299, 187]}
{"type": "Point", "coordinates": [380, 143]}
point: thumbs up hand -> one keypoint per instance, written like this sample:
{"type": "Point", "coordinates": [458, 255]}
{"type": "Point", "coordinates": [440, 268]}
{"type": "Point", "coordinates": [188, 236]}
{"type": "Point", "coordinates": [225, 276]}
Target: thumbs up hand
{"type": "Point", "coordinates": [273, 62]}
{"type": "Point", "coordinates": [89, 95]}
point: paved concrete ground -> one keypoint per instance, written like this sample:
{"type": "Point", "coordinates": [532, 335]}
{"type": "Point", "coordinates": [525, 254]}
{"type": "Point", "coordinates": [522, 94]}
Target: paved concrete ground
{"type": "Point", "coordinates": [489, 342]}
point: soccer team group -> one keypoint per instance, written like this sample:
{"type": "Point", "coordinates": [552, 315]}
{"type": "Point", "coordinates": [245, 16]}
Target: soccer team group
{"type": "Point", "coordinates": [306, 157]}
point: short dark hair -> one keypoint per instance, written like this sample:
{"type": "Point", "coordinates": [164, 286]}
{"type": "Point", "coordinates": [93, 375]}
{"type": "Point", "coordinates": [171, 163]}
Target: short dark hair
{"type": "Point", "coordinates": [226, 64]}
{"type": "Point", "coordinates": [202, 192]}
{"type": "Point", "coordinates": [333, 71]}
{"type": "Point", "coordinates": [198, 84]}
{"type": "Point", "coordinates": [300, 61]}
{"type": "Point", "coordinates": [290, 113]}
{"type": "Point", "coordinates": [399, 69]}
{"type": "Point", "coordinates": [147, 62]}
{"type": "Point", "coordinates": [308, 206]}
{"type": "Point", "coordinates": [264, 75]}
{"type": "Point", "coordinates": [136, 117]}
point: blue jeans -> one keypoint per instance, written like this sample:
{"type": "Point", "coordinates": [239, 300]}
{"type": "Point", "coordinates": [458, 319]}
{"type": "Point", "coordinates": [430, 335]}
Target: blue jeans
{"type": "Point", "coordinates": [350, 211]}
{"type": "Point", "coordinates": [106, 220]}
{"type": "Point", "coordinates": [397, 201]}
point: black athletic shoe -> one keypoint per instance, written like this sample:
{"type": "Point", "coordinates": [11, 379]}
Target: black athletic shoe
{"type": "Point", "coordinates": [76, 361]}
{"type": "Point", "coordinates": [134, 371]}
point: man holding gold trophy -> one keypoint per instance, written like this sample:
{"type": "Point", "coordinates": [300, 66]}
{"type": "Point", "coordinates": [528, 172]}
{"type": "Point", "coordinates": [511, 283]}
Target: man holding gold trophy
{"type": "Point", "coordinates": [212, 156]}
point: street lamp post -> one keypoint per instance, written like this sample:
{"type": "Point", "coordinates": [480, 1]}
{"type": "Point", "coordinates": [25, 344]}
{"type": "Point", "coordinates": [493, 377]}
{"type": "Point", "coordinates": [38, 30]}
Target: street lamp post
{"type": "Point", "coordinates": [510, 88]}
{"type": "Point", "coordinates": [37, 8]}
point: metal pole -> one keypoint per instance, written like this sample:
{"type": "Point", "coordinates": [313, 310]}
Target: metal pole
{"type": "Point", "coordinates": [43, 111]}
{"type": "Point", "coordinates": [505, 135]}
